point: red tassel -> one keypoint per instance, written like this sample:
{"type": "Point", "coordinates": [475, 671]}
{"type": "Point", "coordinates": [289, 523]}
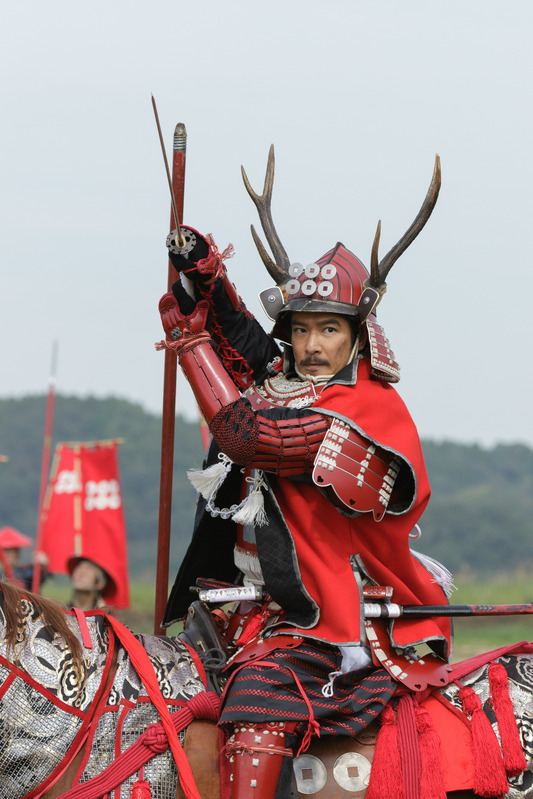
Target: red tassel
{"type": "Point", "coordinates": [513, 755]}
{"type": "Point", "coordinates": [254, 623]}
{"type": "Point", "coordinates": [141, 790]}
{"type": "Point", "coordinates": [431, 776]}
{"type": "Point", "coordinates": [386, 779]}
{"type": "Point", "coordinates": [490, 779]}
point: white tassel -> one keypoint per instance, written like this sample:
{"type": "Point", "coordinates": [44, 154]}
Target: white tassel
{"type": "Point", "coordinates": [208, 481]}
{"type": "Point", "coordinates": [440, 573]}
{"type": "Point", "coordinates": [252, 510]}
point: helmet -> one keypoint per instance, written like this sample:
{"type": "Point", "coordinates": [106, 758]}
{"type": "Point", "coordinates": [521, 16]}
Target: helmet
{"type": "Point", "coordinates": [334, 283]}
{"type": "Point", "coordinates": [12, 539]}
{"type": "Point", "coordinates": [338, 282]}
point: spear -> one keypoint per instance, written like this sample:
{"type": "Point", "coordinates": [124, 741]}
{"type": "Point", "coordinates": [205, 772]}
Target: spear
{"type": "Point", "coordinates": [45, 465]}
{"type": "Point", "coordinates": [375, 610]}
{"type": "Point", "coordinates": [177, 186]}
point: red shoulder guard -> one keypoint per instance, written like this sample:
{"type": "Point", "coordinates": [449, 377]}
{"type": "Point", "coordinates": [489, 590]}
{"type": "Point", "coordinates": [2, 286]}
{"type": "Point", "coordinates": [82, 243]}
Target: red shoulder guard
{"type": "Point", "coordinates": [358, 474]}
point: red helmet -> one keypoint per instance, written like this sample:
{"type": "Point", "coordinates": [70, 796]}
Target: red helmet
{"type": "Point", "coordinates": [338, 282]}
{"type": "Point", "coordinates": [12, 539]}
{"type": "Point", "coordinates": [334, 283]}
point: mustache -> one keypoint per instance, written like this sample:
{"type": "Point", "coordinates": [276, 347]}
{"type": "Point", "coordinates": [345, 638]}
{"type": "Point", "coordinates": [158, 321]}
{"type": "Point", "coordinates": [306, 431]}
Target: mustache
{"type": "Point", "coordinates": [314, 362]}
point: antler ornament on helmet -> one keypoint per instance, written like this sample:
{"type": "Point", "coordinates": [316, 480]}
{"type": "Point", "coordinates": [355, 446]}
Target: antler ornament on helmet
{"type": "Point", "coordinates": [336, 283]}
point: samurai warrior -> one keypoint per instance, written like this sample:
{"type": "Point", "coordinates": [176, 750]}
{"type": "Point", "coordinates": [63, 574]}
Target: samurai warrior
{"type": "Point", "coordinates": [312, 488]}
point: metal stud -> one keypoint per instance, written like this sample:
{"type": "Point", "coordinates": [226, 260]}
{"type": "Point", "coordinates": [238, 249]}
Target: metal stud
{"type": "Point", "coordinates": [292, 286]}
{"type": "Point", "coordinates": [296, 269]}
{"type": "Point", "coordinates": [311, 774]}
{"type": "Point", "coordinates": [309, 287]}
{"type": "Point", "coordinates": [352, 771]}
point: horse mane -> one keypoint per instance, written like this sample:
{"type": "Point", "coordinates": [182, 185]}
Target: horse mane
{"type": "Point", "coordinates": [51, 612]}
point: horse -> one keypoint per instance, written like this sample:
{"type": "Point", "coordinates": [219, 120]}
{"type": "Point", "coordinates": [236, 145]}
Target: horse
{"type": "Point", "coordinates": [80, 717]}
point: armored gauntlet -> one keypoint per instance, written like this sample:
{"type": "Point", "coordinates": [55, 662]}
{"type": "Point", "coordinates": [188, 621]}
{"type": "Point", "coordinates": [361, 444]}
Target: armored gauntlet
{"type": "Point", "coordinates": [187, 336]}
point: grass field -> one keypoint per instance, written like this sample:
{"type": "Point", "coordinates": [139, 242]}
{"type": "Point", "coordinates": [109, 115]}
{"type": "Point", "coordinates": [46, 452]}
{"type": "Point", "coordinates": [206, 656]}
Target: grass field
{"type": "Point", "coordinates": [472, 635]}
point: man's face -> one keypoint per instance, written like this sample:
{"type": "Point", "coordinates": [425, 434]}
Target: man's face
{"type": "Point", "coordinates": [85, 576]}
{"type": "Point", "coordinates": [322, 342]}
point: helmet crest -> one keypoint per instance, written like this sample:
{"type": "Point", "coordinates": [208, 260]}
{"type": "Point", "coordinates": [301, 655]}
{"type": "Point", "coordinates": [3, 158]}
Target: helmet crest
{"type": "Point", "coordinates": [338, 282]}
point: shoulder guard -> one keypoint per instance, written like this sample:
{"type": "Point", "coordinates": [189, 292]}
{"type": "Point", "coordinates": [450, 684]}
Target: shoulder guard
{"type": "Point", "coordinates": [358, 475]}
{"type": "Point", "coordinates": [384, 365]}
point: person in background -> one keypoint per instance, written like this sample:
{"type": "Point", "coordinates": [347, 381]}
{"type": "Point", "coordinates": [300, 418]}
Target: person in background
{"type": "Point", "coordinates": [89, 584]}
{"type": "Point", "coordinates": [11, 542]}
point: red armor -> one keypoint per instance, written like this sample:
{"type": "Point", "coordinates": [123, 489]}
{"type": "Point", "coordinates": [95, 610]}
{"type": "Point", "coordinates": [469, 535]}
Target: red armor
{"type": "Point", "coordinates": [255, 752]}
{"type": "Point", "coordinates": [360, 474]}
{"type": "Point", "coordinates": [211, 384]}
{"type": "Point", "coordinates": [335, 283]}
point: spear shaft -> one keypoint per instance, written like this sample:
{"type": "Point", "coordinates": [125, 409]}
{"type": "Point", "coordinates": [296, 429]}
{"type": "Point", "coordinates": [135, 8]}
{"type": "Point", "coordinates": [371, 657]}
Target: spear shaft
{"type": "Point", "coordinates": [173, 193]}
{"type": "Point", "coordinates": [375, 610]}
{"type": "Point", "coordinates": [45, 465]}
{"type": "Point", "coordinates": [169, 394]}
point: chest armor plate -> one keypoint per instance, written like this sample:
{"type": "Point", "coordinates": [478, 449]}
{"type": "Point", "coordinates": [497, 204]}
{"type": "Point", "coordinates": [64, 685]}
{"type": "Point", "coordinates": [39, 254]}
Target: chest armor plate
{"type": "Point", "coordinates": [279, 392]}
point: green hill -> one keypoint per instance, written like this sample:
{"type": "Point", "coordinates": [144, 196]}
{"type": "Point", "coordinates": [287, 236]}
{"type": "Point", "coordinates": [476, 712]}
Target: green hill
{"type": "Point", "coordinates": [479, 520]}
{"type": "Point", "coordinates": [480, 516]}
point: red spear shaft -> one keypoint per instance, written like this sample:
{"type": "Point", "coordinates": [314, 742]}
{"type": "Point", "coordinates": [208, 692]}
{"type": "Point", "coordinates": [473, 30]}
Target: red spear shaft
{"type": "Point", "coordinates": [169, 396]}
{"type": "Point", "coordinates": [45, 465]}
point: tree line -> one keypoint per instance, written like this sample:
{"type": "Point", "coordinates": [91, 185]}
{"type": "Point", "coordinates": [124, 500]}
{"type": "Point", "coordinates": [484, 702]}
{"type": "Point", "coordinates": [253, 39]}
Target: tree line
{"type": "Point", "coordinates": [479, 519]}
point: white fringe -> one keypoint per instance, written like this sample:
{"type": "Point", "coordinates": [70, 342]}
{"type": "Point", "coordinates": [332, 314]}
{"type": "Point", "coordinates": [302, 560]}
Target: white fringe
{"type": "Point", "coordinates": [440, 573]}
{"type": "Point", "coordinates": [208, 481]}
{"type": "Point", "coordinates": [252, 510]}
{"type": "Point", "coordinates": [248, 564]}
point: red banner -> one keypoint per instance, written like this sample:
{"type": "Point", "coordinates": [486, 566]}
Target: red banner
{"type": "Point", "coordinates": [83, 515]}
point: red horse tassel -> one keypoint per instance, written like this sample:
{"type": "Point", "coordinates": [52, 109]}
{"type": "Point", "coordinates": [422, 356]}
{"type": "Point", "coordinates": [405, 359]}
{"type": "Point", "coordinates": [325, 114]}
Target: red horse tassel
{"type": "Point", "coordinates": [431, 777]}
{"type": "Point", "coordinates": [386, 778]}
{"type": "Point", "coordinates": [490, 778]}
{"type": "Point", "coordinates": [513, 755]}
{"type": "Point", "coordinates": [141, 789]}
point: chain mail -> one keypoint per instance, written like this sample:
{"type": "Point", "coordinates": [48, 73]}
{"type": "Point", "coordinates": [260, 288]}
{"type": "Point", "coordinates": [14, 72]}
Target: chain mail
{"type": "Point", "coordinates": [129, 710]}
{"type": "Point", "coordinates": [43, 705]}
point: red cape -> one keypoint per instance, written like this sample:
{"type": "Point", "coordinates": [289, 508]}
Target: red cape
{"type": "Point", "coordinates": [325, 539]}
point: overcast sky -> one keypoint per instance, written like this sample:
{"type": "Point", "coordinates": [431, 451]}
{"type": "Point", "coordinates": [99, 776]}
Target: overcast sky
{"type": "Point", "coordinates": [357, 97]}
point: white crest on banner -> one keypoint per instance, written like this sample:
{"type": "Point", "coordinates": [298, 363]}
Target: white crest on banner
{"type": "Point", "coordinates": [102, 495]}
{"type": "Point", "coordinates": [67, 483]}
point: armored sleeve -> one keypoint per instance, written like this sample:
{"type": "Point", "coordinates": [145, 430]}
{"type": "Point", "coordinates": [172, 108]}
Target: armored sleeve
{"type": "Point", "coordinates": [356, 475]}
{"type": "Point", "coordinates": [240, 342]}
{"type": "Point", "coordinates": [281, 441]}
{"type": "Point", "coordinates": [239, 339]}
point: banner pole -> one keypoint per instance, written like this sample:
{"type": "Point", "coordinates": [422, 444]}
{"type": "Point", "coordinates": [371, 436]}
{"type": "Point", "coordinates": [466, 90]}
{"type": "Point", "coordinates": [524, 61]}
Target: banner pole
{"type": "Point", "coordinates": [169, 400]}
{"type": "Point", "coordinates": [45, 465]}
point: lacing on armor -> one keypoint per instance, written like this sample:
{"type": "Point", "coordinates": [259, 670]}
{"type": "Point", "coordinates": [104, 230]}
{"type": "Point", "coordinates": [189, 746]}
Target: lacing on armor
{"type": "Point", "coordinates": [239, 369]}
{"type": "Point", "coordinates": [237, 366]}
{"type": "Point", "coordinates": [283, 446]}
